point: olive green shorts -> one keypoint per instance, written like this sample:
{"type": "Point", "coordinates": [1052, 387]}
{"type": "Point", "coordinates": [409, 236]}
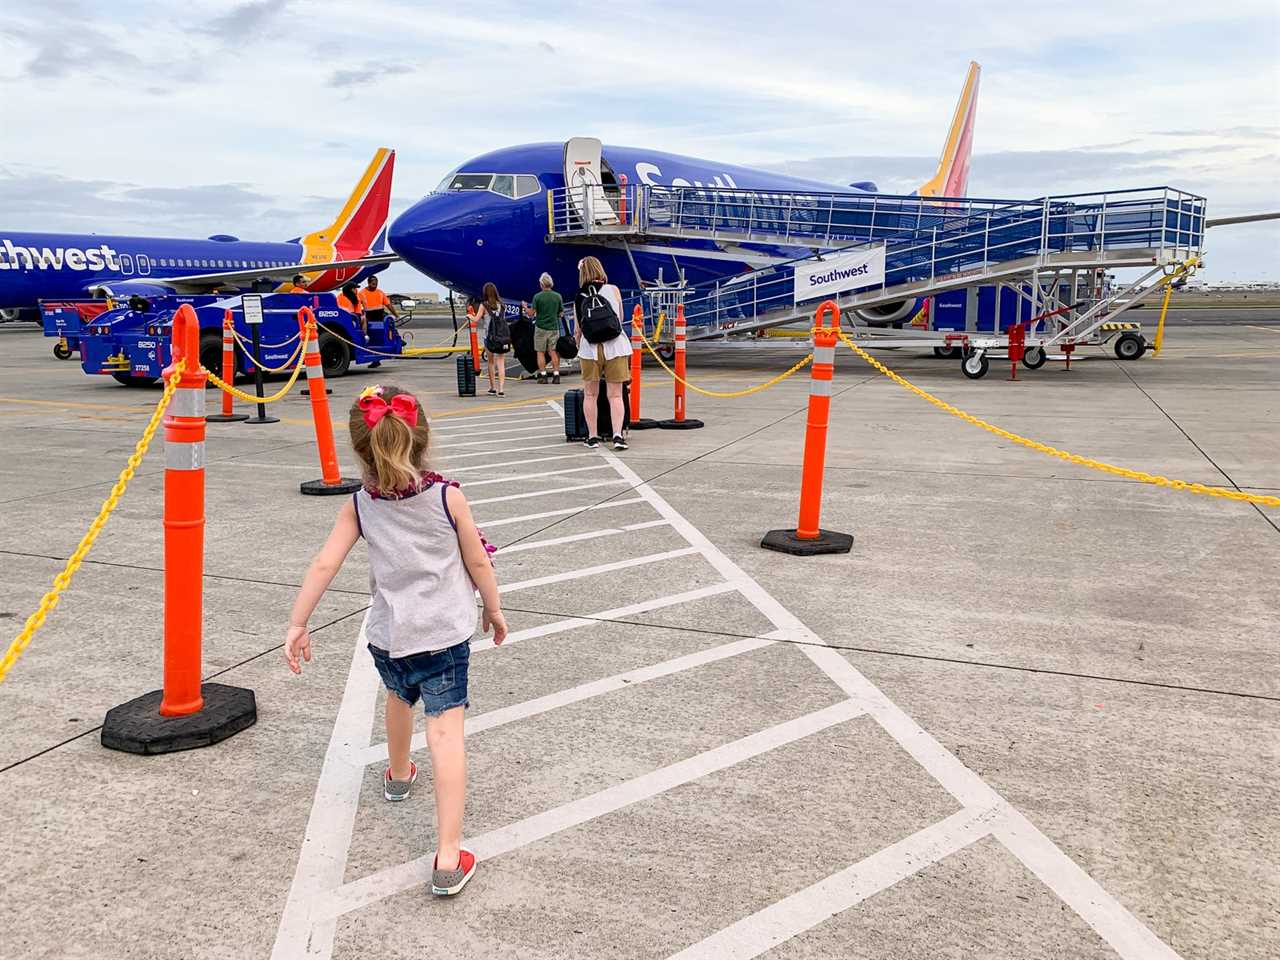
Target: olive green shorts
{"type": "Point", "coordinates": [616, 370]}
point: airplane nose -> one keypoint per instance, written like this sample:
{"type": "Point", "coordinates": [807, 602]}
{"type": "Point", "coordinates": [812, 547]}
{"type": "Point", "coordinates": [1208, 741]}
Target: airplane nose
{"type": "Point", "coordinates": [433, 236]}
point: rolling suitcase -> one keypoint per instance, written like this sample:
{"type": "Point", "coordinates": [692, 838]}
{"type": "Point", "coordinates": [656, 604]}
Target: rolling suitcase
{"type": "Point", "coordinates": [575, 423]}
{"type": "Point", "coordinates": [466, 377]}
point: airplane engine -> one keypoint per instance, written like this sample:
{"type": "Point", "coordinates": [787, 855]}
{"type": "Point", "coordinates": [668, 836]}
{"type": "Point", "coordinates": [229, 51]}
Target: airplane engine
{"type": "Point", "coordinates": [888, 314]}
{"type": "Point", "coordinates": [123, 289]}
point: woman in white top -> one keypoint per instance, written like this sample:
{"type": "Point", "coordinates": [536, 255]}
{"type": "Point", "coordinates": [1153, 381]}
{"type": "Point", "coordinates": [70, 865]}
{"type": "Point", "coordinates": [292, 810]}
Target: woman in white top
{"type": "Point", "coordinates": [610, 360]}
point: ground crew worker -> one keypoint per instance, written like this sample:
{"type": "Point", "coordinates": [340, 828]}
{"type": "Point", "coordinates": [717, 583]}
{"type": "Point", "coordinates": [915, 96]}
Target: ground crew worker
{"type": "Point", "coordinates": [376, 303]}
{"type": "Point", "coordinates": [349, 300]}
{"type": "Point", "coordinates": [298, 284]}
{"type": "Point", "coordinates": [545, 313]}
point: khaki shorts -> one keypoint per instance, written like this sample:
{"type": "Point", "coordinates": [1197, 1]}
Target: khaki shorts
{"type": "Point", "coordinates": [617, 370]}
{"type": "Point", "coordinates": [544, 341]}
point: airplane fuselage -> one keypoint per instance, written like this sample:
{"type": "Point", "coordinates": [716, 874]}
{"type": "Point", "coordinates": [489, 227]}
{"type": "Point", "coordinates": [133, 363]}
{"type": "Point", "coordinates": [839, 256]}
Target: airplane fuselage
{"type": "Point", "coordinates": [468, 237]}
{"type": "Point", "coordinates": [53, 266]}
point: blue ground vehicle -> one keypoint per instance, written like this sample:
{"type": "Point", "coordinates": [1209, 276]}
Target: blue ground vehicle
{"type": "Point", "coordinates": [131, 343]}
{"type": "Point", "coordinates": [65, 319]}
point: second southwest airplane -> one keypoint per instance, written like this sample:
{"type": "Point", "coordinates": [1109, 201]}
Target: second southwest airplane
{"type": "Point", "coordinates": [61, 266]}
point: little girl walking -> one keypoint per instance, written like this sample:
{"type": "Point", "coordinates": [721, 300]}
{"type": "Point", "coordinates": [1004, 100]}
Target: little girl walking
{"type": "Point", "coordinates": [425, 559]}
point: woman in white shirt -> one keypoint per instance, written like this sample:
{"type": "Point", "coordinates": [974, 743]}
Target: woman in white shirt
{"type": "Point", "coordinates": [610, 360]}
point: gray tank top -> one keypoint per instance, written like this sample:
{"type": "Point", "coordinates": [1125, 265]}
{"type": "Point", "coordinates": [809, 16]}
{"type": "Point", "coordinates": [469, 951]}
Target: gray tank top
{"type": "Point", "coordinates": [423, 598]}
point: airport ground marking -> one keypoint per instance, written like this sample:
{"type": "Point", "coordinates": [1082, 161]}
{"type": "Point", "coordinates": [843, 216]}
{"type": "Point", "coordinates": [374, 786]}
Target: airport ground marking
{"type": "Point", "coordinates": [465, 412]}
{"type": "Point", "coordinates": [536, 476]}
{"type": "Point", "coordinates": [549, 492]}
{"type": "Point", "coordinates": [480, 416]}
{"type": "Point", "coordinates": [489, 443]}
{"type": "Point", "coordinates": [563, 511]}
{"type": "Point", "coordinates": [512, 430]}
{"type": "Point", "coordinates": [516, 463]}
{"type": "Point", "coordinates": [577, 537]}
{"type": "Point", "coordinates": [1126, 934]}
{"type": "Point", "coordinates": [815, 904]}
{"type": "Point", "coordinates": [599, 568]}
{"type": "Point", "coordinates": [392, 880]}
{"type": "Point", "coordinates": [449, 458]}
{"type": "Point", "coordinates": [377, 753]}
{"type": "Point", "coordinates": [493, 427]}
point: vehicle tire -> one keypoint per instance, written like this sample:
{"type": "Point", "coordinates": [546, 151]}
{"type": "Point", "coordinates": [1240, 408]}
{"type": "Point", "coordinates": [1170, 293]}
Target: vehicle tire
{"type": "Point", "coordinates": [129, 381]}
{"type": "Point", "coordinates": [944, 353]}
{"type": "Point", "coordinates": [1034, 358]}
{"type": "Point", "coordinates": [975, 366]}
{"type": "Point", "coordinates": [335, 356]}
{"type": "Point", "coordinates": [62, 351]}
{"type": "Point", "coordinates": [1130, 346]}
{"type": "Point", "coordinates": [10, 314]}
{"type": "Point", "coordinates": [666, 351]}
{"type": "Point", "coordinates": [211, 354]}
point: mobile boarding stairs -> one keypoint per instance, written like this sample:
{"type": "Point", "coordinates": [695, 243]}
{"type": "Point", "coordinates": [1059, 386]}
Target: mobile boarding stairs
{"type": "Point", "coordinates": [1054, 252]}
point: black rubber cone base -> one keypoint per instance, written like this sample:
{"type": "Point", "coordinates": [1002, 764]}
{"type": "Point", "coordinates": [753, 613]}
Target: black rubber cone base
{"type": "Point", "coordinates": [828, 541]}
{"type": "Point", "coordinates": [679, 424]}
{"type": "Point", "coordinates": [137, 727]}
{"type": "Point", "coordinates": [644, 423]}
{"type": "Point", "coordinates": [226, 417]}
{"type": "Point", "coordinates": [263, 420]}
{"type": "Point", "coordinates": [318, 488]}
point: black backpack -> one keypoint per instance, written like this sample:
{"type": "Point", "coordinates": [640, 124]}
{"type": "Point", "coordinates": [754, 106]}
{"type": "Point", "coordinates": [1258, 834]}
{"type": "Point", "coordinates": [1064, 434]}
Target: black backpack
{"type": "Point", "coordinates": [596, 316]}
{"type": "Point", "coordinates": [498, 335]}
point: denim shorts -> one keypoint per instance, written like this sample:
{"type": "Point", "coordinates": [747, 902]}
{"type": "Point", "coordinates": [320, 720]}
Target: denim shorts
{"type": "Point", "coordinates": [439, 677]}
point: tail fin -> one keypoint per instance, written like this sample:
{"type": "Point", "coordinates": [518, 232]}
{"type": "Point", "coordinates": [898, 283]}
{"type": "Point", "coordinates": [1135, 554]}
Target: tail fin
{"type": "Point", "coordinates": [362, 218]}
{"type": "Point", "coordinates": [952, 176]}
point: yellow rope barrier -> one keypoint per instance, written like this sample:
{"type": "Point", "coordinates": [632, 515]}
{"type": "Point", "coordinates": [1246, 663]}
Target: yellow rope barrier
{"type": "Point", "coordinates": [249, 397]}
{"type": "Point", "coordinates": [63, 579]}
{"type": "Point", "coordinates": [1138, 475]}
{"type": "Point", "coordinates": [737, 393]}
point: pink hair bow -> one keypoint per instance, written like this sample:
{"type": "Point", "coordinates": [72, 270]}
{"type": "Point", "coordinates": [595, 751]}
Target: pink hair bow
{"type": "Point", "coordinates": [402, 405]}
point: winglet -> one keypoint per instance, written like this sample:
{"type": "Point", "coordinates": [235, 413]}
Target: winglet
{"type": "Point", "coordinates": [952, 176]}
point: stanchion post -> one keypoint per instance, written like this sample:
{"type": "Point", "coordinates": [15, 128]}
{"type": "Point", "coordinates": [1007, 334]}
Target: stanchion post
{"type": "Point", "coordinates": [185, 713]}
{"type": "Point", "coordinates": [679, 421]}
{"type": "Point", "coordinates": [331, 482]}
{"type": "Point", "coordinates": [808, 538]}
{"type": "Point", "coordinates": [637, 362]}
{"type": "Point", "coordinates": [228, 415]}
{"type": "Point", "coordinates": [251, 307]}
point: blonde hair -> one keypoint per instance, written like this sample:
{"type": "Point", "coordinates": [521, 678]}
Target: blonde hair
{"type": "Point", "coordinates": [393, 454]}
{"type": "Point", "coordinates": [591, 270]}
{"type": "Point", "coordinates": [545, 281]}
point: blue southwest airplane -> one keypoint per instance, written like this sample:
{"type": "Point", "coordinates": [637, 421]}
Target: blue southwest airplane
{"type": "Point", "coordinates": [61, 266]}
{"type": "Point", "coordinates": [487, 220]}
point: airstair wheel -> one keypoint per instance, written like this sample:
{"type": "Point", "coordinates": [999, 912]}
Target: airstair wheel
{"type": "Point", "coordinates": [975, 366]}
{"type": "Point", "coordinates": [1130, 346]}
{"type": "Point", "coordinates": [1034, 358]}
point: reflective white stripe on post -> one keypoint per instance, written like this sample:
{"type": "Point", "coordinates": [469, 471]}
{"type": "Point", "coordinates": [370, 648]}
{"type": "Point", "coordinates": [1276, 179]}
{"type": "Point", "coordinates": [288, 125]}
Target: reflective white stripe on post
{"type": "Point", "coordinates": [314, 370]}
{"type": "Point", "coordinates": [824, 354]}
{"type": "Point", "coordinates": [819, 388]}
{"type": "Point", "coordinates": [187, 402]}
{"type": "Point", "coordinates": [184, 456]}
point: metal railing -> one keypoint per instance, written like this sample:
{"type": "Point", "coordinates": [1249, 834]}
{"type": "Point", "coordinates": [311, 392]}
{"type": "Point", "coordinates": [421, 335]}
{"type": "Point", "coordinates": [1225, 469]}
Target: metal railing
{"type": "Point", "coordinates": [930, 244]}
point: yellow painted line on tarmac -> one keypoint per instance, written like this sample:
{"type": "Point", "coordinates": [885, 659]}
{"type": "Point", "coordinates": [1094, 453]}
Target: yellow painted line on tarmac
{"type": "Point", "coordinates": [71, 405]}
{"type": "Point", "coordinates": [479, 410]}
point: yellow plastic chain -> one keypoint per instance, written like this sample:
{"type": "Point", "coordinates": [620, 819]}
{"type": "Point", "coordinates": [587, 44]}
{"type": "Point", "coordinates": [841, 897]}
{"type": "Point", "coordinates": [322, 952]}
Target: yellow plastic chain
{"type": "Point", "coordinates": [737, 393]}
{"type": "Point", "coordinates": [397, 356]}
{"type": "Point", "coordinates": [249, 397]}
{"type": "Point", "coordinates": [247, 349]}
{"type": "Point", "coordinates": [63, 579]}
{"type": "Point", "coordinates": [1138, 475]}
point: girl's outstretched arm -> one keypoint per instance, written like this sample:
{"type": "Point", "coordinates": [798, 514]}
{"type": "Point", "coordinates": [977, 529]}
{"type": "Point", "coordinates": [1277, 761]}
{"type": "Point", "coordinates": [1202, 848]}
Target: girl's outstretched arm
{"type": "Point", "coordinates": [325, 566]}
{"type": "Point", "coordinates": [478, 564]}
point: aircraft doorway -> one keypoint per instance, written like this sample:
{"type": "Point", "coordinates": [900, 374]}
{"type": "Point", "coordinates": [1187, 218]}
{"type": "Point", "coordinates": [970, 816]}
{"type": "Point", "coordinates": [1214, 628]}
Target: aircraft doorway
{"type": "Point", "coordinates": [595, 188]}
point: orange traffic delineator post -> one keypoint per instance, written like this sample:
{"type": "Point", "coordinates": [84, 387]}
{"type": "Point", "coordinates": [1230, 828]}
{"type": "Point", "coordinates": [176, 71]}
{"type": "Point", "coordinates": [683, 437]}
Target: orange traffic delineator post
{"type": "Point", "coordinates": [637, 357]}
{"type": "Point", "coordinates": [331, 483]}
{"type": "Point", "coordinates": [475, 342]}
{"type": "Point", "coordinates": [808, 538]}
{"type": "Point", "coordinates": [228, 374]}
{"type": "Point", "coordinates": [185, 713]}
{"type": "Point", "coordinates": [678, 420]}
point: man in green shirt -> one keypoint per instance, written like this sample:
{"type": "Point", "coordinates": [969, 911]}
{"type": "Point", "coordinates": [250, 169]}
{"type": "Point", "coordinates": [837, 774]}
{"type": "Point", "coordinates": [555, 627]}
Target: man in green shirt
{"type": "Point", "coordinates": [546, 310]}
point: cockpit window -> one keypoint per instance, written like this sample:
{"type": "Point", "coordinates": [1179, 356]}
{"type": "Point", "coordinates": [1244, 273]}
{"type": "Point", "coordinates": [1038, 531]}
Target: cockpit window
{"type": "Point", "coordinates": [510, 185]}
{"type": "Point", "coordinates": [471, 181]}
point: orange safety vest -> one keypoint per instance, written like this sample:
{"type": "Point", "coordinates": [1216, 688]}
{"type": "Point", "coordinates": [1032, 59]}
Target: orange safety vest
{"type": "Point", "coordinates": [347, 305]}
{"type": "Point", "coordinates": [374, 299]}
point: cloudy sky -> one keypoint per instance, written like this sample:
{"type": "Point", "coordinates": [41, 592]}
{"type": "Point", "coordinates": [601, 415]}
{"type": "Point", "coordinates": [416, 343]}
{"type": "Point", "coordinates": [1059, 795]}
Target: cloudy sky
{"type": "Point", "coordinates": [256, 118]}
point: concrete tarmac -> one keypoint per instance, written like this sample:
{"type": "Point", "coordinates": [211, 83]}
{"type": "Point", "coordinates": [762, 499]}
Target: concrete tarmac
{"type": "Point", "coordinates": [1034, 713]}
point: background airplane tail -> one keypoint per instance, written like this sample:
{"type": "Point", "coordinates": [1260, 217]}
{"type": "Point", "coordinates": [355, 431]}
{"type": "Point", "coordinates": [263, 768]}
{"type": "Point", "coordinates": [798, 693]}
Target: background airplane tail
{"type": "Point", "coordinates": [363, 217]}
{"type": "Point", "coordinates": [952, 176]}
